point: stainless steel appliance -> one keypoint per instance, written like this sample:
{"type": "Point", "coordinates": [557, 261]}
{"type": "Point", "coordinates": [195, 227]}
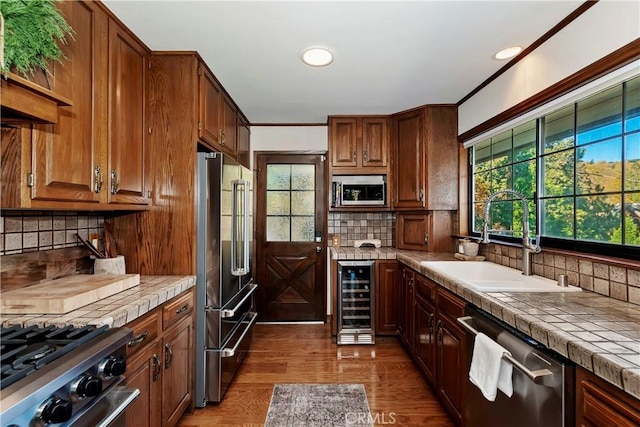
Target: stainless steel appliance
{"type": "Point", "coordinates": [355, 302]}
{"type": "Point", "coordinates": [543, 381]}
{"type": "Point", "coordinates": [64, 376]}
{"type": "Point", "coordinates": [359, 190]}
{"type": "Point", "coordinates": [225, 311]}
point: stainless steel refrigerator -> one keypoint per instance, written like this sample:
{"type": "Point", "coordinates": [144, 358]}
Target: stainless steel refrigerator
{"type": "Point", "coordinates": [225, 312]}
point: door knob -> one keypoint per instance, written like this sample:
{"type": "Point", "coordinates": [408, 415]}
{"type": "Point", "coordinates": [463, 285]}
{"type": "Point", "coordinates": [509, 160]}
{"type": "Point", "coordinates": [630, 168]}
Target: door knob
{"type": "Point", "coordinates": [318, 249]}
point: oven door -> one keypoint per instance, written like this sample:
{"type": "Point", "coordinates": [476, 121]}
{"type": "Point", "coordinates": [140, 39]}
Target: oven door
{"type": "Point", "coordinates": [108, 410]}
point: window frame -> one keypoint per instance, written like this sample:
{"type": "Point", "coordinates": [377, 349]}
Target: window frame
{"type": "Point", "coordinates": [570, 244]}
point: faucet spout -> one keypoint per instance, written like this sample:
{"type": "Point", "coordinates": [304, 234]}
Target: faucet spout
{"type": "Point", "coordinates": [528, 248]}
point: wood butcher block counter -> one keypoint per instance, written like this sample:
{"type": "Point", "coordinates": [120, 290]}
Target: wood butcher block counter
{"type": "Point", "coordinates": [599, 333]}
{"type": "Point", "coordinates": [116, 310]}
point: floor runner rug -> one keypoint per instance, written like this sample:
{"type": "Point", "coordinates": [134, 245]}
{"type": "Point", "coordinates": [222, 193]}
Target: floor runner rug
{"type": "Point", "coordinates": [318, 405]}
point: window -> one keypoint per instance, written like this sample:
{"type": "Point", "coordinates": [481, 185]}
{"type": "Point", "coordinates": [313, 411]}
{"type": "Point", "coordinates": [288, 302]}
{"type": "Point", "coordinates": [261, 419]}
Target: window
{"type": "Point", "coordinates": [578, 168]}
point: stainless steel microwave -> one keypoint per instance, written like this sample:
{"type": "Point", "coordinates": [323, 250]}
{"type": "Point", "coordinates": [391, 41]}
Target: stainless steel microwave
{"type": "Point", "coordinates": [359, 190]}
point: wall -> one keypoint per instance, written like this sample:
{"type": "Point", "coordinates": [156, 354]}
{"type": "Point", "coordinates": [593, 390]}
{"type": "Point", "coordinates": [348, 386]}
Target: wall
{"type": "Point", "coordinates": [602, 29]}
{"type": "Point", "coordinates": [615, 280]}
{"type": "Point", "coordinates": [30, 231]}
{"type": "Point", "coordinates": [288, 138]}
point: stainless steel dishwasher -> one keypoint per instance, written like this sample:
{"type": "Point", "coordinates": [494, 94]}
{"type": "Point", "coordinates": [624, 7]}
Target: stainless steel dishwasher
{"type": "Point", "coordinates": [543, 381]}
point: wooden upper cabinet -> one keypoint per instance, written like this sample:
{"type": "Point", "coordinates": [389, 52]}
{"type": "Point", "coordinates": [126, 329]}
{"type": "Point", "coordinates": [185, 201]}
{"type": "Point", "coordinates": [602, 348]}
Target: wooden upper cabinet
{"type": "Point", "coordinates": [425, 152]}
{"type": "Point", "coordinates": [228, 138]}
{"type": "Point", "coordinates": [425, 231]}
{"type": "Point", "coordinates": [244, 142]}
{"type": "Point", "coordinates": [66, 156]}
{"type": "Point", "coordinates": [209, 108]}
{"type": "Point", "coordinates": [359, 143]}
{"type": "Point", "coordinates": [126, 149]}
{"type": "Point", "coordinates": [409, 173]}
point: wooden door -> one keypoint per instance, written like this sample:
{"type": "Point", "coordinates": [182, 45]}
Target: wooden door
{"type": "Point", "coordinates": [66, 156]}
{"type": "Point", "coordinates": [228, 138]}
{"type": "Point", "coordinates": [409, 160]}
{"type": "Point", "coordinates": [425, 338]}
{"type": "Point", "coordinates": [177, 372]}
{"type": "Point", "coordinates": [143, 373]}
{"type": "Point", "coordinates": [386, 297]}
{"type": "Point", "coordinates": [375, 142]}
{"type": "Point", "coordinates": [127, 133]}
{"type": "Point", "coordinates": [244, 142]}
{"type": "Point", "coordinates": [343, 137]}
{"type": "Point", "coordinates": [290, 212]}
{"type": "Point", "coordinates": [210, 94]}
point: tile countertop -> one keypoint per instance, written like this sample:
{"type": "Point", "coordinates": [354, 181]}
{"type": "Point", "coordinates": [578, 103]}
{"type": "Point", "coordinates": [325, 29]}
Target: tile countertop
{"type": "Point", "coordinates": [114, 311]}
{"type": "Point", "coordinates": [599, 333]}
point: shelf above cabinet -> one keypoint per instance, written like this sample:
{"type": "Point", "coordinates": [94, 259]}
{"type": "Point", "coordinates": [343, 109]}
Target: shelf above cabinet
{"type": "Point", "coordinates": [23, 101]}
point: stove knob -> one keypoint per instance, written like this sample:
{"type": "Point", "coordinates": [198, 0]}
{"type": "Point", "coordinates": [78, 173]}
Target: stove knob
{"type": "Point", "coordinates": [111, 366]}
{"type": "Point", "coordinates": [55, 411]}
{"type": "Point", "coordinates": [86, 386]}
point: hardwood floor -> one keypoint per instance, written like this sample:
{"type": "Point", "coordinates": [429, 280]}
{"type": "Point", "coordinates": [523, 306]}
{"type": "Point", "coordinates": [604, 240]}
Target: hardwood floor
{"type": "Point", "coordinates": [397, 393]}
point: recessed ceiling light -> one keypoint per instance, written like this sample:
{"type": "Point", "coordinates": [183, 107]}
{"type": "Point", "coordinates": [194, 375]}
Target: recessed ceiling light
{"type": "Point", "coordinates": [317, 56]}
{"type": "Point", "coordinates": [508, 52]}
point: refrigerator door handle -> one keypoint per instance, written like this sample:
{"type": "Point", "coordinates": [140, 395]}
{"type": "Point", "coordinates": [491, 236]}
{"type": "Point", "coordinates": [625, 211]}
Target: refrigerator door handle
{"type": "Point", "coordinates": [236, 269]}
{"type": "Point", "coordinates": [225, 313]}
{"type": "Point", "coordinates": [229, 352]}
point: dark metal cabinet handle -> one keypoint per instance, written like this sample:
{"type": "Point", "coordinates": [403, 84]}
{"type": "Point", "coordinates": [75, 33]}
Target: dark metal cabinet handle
{"type": "Point", "coordinates": [168, 356]}
{"type": "Point", "coordinates": [182, 309]}
{"type": "Point", "coordinates": [439, 329]}
{"type": "Point", "coordinates": [365, 156]}
{"type": "Point", "coordinates": [430, 324]}
{"type": "Point", "coordinates": [156, 367]}
{"type": "Point", "coordinates": [354, 155]}
{"type": "Point", "coordinates": [137, 340]}
{"type": "Point", "coordinates": [97, 179]}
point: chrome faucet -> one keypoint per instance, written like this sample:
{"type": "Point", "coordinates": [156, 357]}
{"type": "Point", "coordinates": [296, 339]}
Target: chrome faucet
{"type": "Point", "coordinates": [528, 247]}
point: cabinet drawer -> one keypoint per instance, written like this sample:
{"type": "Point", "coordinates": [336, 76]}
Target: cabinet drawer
{"type": "Point", "coordinates": [177, 308]}
{"type": "Point", "coordinates": [145, 330]}
{"type": "Point", "coordinates": [450, 305]}
{"type": "Point", "coordinates": [425, 288]}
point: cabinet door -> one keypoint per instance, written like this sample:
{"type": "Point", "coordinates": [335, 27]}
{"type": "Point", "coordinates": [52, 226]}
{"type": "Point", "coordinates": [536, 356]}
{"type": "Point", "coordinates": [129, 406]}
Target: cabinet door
{"type": "Point", "coordinates": [600, 404]}
{"type": "Point", "coordinates": [143, 373]}
{"type": "Point", "coordinates": [127, 78]}
{"type": "Point", "coordinates": [244, 142]}
{"type": "Point", "coordinates": [210, 93]}
{"type": "Point", "coordinates": [406, 303]}
{"type": "Point", "coordinates": [343, 137]}
{"type": "Point", "coordinates": [387, 298]}
{"type": "Point", "coordinates": [425, 338]}
{"type": "Point", "coordinates": [375, 142]}
{"type": "Point", "coordinates": [451, 369]}
{"type": "Point", "coordinates": [177, 372]}
{"type": "Point", "coordinates": [413, 231]}
{"type": "Point", "coordinates": [409, 171]}
{"type": "Point", "coordinates": [228, 138]}
{"type": "Point", "coordinates": [66, 155]}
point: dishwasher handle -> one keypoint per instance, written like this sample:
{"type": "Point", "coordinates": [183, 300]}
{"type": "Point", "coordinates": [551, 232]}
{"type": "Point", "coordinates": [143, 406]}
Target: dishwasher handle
{"type": "Point", "coordinates": [538, 376]}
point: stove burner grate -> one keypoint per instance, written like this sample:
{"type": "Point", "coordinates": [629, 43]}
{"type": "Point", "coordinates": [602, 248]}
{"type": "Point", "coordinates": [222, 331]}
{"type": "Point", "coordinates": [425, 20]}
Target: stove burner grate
{"type": "Point", "coordinates": [23, 350]}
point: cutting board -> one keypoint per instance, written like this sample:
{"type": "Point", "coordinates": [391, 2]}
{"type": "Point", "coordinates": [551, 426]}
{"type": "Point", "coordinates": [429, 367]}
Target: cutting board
{"type": "Point", "coordinates": [66, 294]}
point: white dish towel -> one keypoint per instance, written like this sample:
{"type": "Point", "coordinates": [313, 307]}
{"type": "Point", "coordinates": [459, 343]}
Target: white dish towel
{"type": "Point", "coordinates": [488, 371]}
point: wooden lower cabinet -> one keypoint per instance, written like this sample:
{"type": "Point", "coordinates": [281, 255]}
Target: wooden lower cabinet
{"type": "Point", "coordinates": [177, 378]}
{"type": "Point", "coordinates": [159, 363]}
{"type": "Point", "coordinates": [143, 373]}
{"type": "Point", "coordinates": [600, 404]}
{"type": "Point", "coordinates": [386, 297]}
{"type": "Point", "coordinates": [431, 336]}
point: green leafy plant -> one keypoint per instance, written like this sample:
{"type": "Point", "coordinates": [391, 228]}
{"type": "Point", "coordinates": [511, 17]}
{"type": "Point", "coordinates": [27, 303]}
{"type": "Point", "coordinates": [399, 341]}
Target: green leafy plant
{"type": "Point", "coordinates": [32, 31]}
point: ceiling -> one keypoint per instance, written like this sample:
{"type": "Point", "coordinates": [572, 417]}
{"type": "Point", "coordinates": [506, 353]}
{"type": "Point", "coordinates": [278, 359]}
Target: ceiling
{"type": "Point", "coordinates": [389, 55]}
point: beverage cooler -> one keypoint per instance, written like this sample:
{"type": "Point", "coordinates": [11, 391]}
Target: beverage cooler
{"type": "Point", "coordinates": [355, 302]}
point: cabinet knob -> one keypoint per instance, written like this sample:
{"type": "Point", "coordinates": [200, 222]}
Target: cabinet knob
{"type": "Point", "coordinates": [365, 156]}
{"type": "Point", "coordinates": [426, 239]}
{"type": "Point", "coordinates": [354, 155]}
{"type": "Point", "coordinates": [222, 137]}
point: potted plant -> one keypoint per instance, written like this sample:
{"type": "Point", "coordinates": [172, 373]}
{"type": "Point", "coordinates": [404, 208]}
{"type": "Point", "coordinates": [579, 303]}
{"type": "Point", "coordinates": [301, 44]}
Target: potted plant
{"type": "Point", "coordinates": [30, 33]}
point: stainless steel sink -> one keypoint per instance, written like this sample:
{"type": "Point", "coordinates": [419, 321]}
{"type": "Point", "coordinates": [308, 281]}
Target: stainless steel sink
{"type": "Point", "coordinates": [489, 277]}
